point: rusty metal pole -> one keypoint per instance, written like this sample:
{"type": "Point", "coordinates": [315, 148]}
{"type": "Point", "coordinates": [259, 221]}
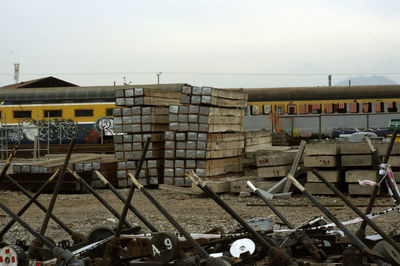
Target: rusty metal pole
{"type": "Point", "coordinates": [57, 188]}
{"type": "Point", "coordinates": [188, 237]}
{"type": "Point", "coordinates": [358, 211]}
{"type": "Point", "coordinates": [277, 256]}
{"type": "Point", "coordinates": [29, 203]}
{"type": "Point", "coordinates": [8, 163]}
{"type": "Point", "coordinates": [97, 195]}
{"type": "Point", "coordinates": [64, 256]}
{"type": "Point", "coordinates": [132, 189]}
{"type": "Point", "coordinates": [373, 255]}
{"type": "Point", "coordinates": [75, 236]}
{"type": "Point", "coordinates": [361, 231]}
{"type": "Point", "coordinates": [135, 211]}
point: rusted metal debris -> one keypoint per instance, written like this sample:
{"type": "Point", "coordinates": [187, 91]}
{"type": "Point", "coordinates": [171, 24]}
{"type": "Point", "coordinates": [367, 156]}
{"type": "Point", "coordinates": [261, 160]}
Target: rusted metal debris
{"type": "Point", "coordinates": [312, 243]}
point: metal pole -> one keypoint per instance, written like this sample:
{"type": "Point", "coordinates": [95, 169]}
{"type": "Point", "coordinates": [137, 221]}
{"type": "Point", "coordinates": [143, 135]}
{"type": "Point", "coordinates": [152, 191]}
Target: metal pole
{"type": "Point", "coordinates": [57, 188]}
{"type": "Point", "coordinates": [48, 134]}
{"type": "Point", "coordinates": [358, 211]}
{"type": "Point", "coordinates": [353, 239]}
{"type": "Point", "coordinates": [38, 136]}
{"type": "Point", "coordinates": [295, 164]}
{"type": "Point", "coordinates": [268, 243]}
{"type": "Point", "coordinates": [187, 236]}
{"type": "Point", "coordinates": [26, 193]}
{"type": "Point", "coordinates": [97, 196]}
{"type": "Point", "coordinates": [136, 212]}
{"type": "Point", "coordinates": [29, 203]}
{"type": "Point", "coordinates": [8, 163]}
{"type": "Point", "coordinates": [132, 189]}
{"type": "Point", "coordinates": [361, 231]}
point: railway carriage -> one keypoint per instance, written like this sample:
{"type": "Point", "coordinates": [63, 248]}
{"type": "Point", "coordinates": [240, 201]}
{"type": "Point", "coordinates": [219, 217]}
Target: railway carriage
{"type": "Point", "coordinates": [306, 111]}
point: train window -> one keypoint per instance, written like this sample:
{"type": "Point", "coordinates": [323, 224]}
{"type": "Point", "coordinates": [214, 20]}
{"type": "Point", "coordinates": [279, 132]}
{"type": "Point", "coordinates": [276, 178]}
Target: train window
{"type": "Point", "coordinates": [392, 107]}
{"type": "Point", "coordinates": [292, 109]}
{"type": "Point", "coordinates": [341, 108]}
{"type": "Point", "coordinates": [52, 113]}
{"type": "Point", "coordinates": [366, 107]}
{"type": "Point", "coordinates": [379, 107]}
{"type": "Point", "coordinates": [354, 107]}
{"type": "Point", "coordinates": [304, 108]}
{"type": "Point", "coordinates": [255, 110]}
{"type": "Point", "coordinates": [84, 112]}
{"type": "Point", "coordinates": [316, 108]}
{"type": "Point", "coordinates": [279, 108]}
{"type": "Point", "coordinates": [328, 108]}
{"type": "Point", "coordinates": [267, 108]}
{"type": "Point", "coordinates": [109, 112]}
{"type": "Point", "coordinates": [22, 114]}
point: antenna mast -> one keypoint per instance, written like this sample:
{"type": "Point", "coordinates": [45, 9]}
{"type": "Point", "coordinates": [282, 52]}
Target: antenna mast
{"type": "Point", "coordinates": [16, 72]}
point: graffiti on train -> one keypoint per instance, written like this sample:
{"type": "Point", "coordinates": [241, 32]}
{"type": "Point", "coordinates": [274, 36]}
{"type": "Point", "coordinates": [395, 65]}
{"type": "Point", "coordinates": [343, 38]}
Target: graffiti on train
{"type": "Point", "coordinates": [105, 125]}
{"type": "Point", "coordinates": [45, 130]}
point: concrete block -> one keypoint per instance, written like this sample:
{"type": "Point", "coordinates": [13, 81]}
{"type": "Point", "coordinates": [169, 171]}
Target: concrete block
{"type": "Point", "coordinates": [394, 160]}
{"type": "Point", "coordinates": [320, 161]}
{"type": "Point", "coordinates": [352, 176]}
{"type": "Point", "coordinates": [357, 160]}
{"type": "Point", "coordinates": [321, 148]}
{"type": "Point", "coordinates": [273, 171]}
{"type": "Point", "coordinates": [272, 159]}
{"type": "Point", "coordinates": [354, 148]}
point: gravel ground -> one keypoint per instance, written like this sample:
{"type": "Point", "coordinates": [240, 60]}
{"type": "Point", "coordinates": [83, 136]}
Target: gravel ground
{"type": "Point", "coordinates": [82, 212]}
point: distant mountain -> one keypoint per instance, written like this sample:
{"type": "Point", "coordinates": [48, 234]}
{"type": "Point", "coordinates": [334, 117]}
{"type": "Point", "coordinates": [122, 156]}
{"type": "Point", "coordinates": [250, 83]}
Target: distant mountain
{"type": "Point", "coordinates": [372, 80]}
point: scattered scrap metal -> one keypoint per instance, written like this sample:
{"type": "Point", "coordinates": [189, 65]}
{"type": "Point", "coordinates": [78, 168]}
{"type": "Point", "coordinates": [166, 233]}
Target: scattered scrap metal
{"type": "Point", "coordinates": [315, 242]}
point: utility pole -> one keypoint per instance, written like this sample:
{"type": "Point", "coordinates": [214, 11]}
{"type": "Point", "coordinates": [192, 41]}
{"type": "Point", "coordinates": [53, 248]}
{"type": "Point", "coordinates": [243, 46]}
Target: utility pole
{"type": "Point", "coordinates": [329, 80]}
{"type": "Point", "coordinates": [16, 72]}
{"type": "Point", "coordinates": [158, 77]}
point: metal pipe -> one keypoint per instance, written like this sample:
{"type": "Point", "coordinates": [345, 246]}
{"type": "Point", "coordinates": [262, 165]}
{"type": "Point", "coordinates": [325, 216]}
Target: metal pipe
{"type": "Point", "coordinates": [132, 189]}
{"type": "Point", "coordinates": [188, 237]}
{"type": "Point", "coordinates": [135, 211]}
{"type": "Point", "coordinates": [38, 236]}
{"type": "Point", "coordinates": [361, 231]}
{"type": "Point", "coordinates": [57, 188]}
{"type": "Point", "coordinates": [357, 210]}
{"type": "Point", "coordinates": [97, 195]}
{"type": "Point", "coordinates": [8, 163]}
{"type": "Point", "coordinates": [29, 203]}
{"type": "Point", "coordinates": [266, 242]}
{"type": "Point", "coordinates": [26, 193]}
{"type": "Point", "coordinates": [353, 239]}
{"type": "Point", "coordinates": [379, 178]}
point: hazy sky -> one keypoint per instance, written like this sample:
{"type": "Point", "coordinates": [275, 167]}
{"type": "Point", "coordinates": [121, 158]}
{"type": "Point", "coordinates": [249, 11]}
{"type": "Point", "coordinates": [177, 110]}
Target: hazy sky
{"type": "Point", "coordinates": [218, 43]}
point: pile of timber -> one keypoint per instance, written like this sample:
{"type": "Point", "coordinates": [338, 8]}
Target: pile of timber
{"type": "Point", "coordinates": [142, 113]}
{"type": "Point", "coordinates": [205, 134]}
{"type": "Point", "coordinates": [324, 157]}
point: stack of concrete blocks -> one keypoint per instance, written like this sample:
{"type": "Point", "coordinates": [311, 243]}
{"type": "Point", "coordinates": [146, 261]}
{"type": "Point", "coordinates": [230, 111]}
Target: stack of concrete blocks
{"type": "Point", "coordinates": [143, 113]}
{"type": "Point", "coordinates": [205, 134]}
{"type": "Point", "coordinates": [357, 159]}
{"type": "Point", "coordinates": [272, 166]}
{"type": "Point", "coordinates": [324, 157]}
{"type": "Point", "coordinates": [257, 142]}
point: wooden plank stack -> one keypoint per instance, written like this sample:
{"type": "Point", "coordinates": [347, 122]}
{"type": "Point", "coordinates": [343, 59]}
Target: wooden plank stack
{"type": "Point", "coordinates": [205, 134]}
{"type": "Point", "coordinates": [323, 156]}
{"type": "Point", "coordinates": [143, 113]}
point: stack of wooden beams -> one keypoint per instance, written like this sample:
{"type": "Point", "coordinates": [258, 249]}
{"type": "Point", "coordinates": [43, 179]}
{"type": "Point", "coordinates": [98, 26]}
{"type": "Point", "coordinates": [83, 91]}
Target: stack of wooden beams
{"type": "Point", "coordinates": [205, 134]}
{"type": "Point", "coordinates": [324, 157]}
{"type": "Point", "coordinates": [143, 113]}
